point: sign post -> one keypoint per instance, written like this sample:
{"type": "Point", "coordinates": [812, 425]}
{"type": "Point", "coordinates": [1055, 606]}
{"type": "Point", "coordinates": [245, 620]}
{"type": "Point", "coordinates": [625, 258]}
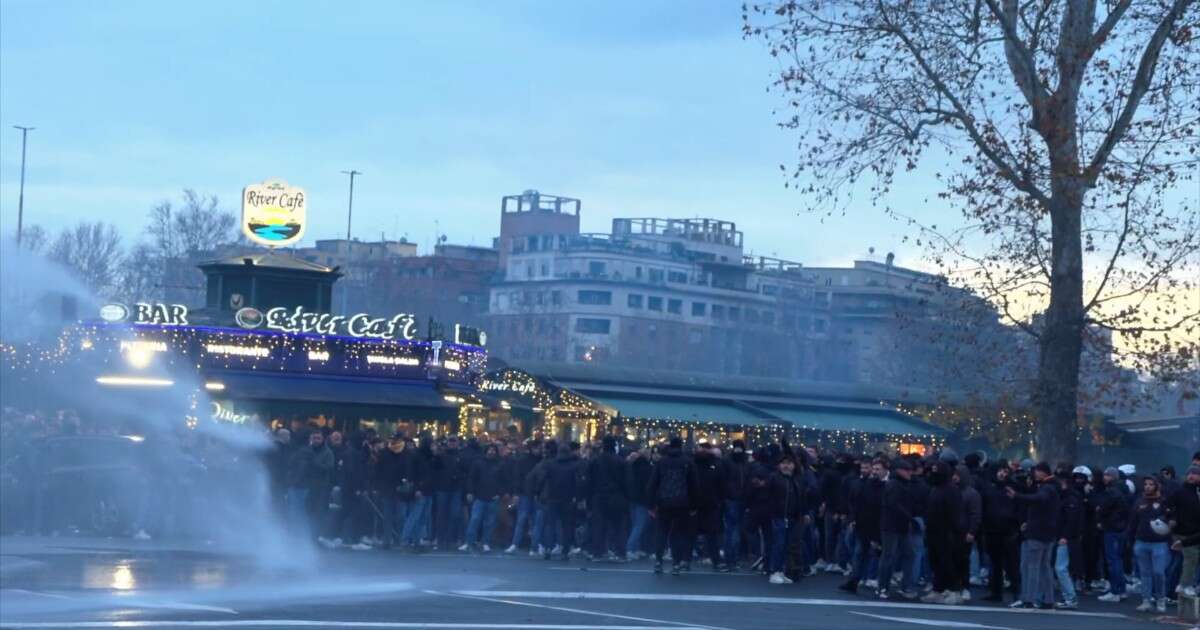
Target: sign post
{"type": "Point", "coordinates": [273, 213]}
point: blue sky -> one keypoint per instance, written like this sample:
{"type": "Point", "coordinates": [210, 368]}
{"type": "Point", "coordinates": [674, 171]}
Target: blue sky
{"type": "Point", "coordinates": [640, 108]}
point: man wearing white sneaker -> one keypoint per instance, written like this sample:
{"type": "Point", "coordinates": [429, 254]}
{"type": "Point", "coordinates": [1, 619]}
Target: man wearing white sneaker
{"type": "Point", "coordinates": [1185, 520]}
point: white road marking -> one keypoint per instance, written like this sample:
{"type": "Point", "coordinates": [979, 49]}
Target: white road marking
{"type": "Point", "coordinates": [588, 569]}
{"type": "Point", "coordinates": [317, 623]}
{"type": "Point", "coordinates": [674, 624]}
{"type": "Point", "coordinates": [933, 622]}
{"type": "Point", "coordinates": [39, 593]}
{"type": "Point", "coordinates": [733, 599]}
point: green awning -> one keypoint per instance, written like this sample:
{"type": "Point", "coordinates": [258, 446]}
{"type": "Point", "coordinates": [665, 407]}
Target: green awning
{"type": "Point", "coordinates": [882, 422]}
{"type": "Point", "coordinates": [682, 410]}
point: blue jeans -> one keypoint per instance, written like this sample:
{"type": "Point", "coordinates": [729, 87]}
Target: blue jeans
{"type": "Point", "coordinates": [538, 535]}
{"type": "Point", "coordinates": [781, 531]}
{"type": "Point", "coordinates": [1062, 566]}
{"type": "Point", "coordinates": [483, 515]}
{"type": "Point", "coordinates": [734, 511]}
{"type": "Point", "coordinates": [1152, 560]}
{"type": "Point", "coordinates": [861, 561]}
{"type": "Point", "coordinates": [524, 512]}
{"type": "Point", "coordinates": [917, 542]}
{"type": "Point", "coordinates": [1037, 581]}
{"type": "Point", "coordinates": [639, 516]}
{"type": "Point", "coordinates": [416, 521]}
{"type": "Point", "coordinates": [297, 511]}
{"type": "Point", "coordinates": [449, 513]}
{"type": "Point", "coordinates": [1114, 545]}
{"type": "Point", "coordinates": [395, 515]}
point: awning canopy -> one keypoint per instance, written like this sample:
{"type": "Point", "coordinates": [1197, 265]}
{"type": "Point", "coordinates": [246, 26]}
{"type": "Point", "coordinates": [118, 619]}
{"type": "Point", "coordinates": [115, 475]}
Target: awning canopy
{"type": "Point", "coordinates": [881, 422]}
{"type": "Point", "coordinates": [697, 410]}
{"type": "Point", "coordinates": [333, 390]}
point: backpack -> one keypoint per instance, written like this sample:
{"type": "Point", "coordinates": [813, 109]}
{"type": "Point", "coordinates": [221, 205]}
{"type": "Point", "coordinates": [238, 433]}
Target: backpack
{"type": "Point", "coordinates": [673, 486]}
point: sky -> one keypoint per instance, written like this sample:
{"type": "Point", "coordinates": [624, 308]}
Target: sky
{"type": "Point", "coordinates": [639, 108]}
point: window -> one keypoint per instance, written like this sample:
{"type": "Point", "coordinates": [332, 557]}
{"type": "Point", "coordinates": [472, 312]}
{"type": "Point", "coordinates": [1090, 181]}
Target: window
{"type": "Point", "coordinates": [735, 313]}
{"type": "Point", "coordinates": [654, 303]}
{"type": "Point", "coordinates": [768, 318]}
{"type": "Point", "coordinates": [655, 275]}
{"type": "Point", "coordinates": [718, 311]}
{"type": "Point", "coordinates": [751, 316]}
{"type": "Point", "coordinates": [677, 276]}
{"type": "Point", "coordinates": [592, 326]}
{"type": "Point", "coordinates": [675, 306]}
{"type": "Point", "coordinates": [635, 300]}
{"type": "Point", "coordinates": [545, 269]}
{"type": "Point", "coordinates": [596, 268]}
{"type": "Point", "coordinates": [699, 309]}
{"type": "Point", "coordinates": [556, 298]}
{"type": "Point", "coordinates": [528, 270]}
{"type": "Point", "coordinates": [595, 297]}
{"type": "Point", "coordinates": [770, 289]}
{"type": "Point", "coordinates": [637, 272]}
{"type": "Point", "coordinates": [533, 243]}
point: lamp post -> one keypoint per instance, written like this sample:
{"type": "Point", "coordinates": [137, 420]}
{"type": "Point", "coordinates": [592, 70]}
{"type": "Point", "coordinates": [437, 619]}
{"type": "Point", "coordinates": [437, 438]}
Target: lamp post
{"type": "Point", "coordinates": [350, 205]}
{"type": "Point", "coordinates": [21, 196]}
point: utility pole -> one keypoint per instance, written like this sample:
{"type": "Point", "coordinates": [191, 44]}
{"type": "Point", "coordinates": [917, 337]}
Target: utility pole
{"type": "Point", "coordinates": [21, 197]}
{"type": "Point", "coordinates": [350, 205]}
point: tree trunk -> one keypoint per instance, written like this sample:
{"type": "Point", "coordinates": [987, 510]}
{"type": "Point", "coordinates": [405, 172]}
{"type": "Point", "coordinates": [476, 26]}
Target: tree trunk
{"type": "Point", "coordinates": [1057, 389]}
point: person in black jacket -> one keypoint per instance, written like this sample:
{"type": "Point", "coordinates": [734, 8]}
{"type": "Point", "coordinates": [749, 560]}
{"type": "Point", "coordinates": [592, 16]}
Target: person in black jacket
{"type": "Point", "coordinates": [608, 501]}
{"type": "Point", "coordinates": [672, 488]}
{"type": "Point", "coordinates": [864, 507]}
{"type": "Point", "coordinates": [1184, 505]}
{"type": "Point", "coordinates": [758, 507]}
{"type": "Point", "coordinates": [1041, 529]}
{"type": "Point", "coordinates": [1112, 517]}
{"type": "Point", "coordinates": [944, 535]}
{"type": "Point", "coordinates": [1001, 535]}
{"type": "Point", "coordinates": [449, 483]}
{"type": "Point", "coordinates": [788, 500]}
{"type": "Point", "coordinates": [737, 473]}
{"type": "Point", "coordinates": [485, 486]}
{"type": "Point", "coordinates": [637, 473]}
{"type": "Point", "coordinates": [559, 491]}
{"type": "Point", "coordinates": [422, 482]}
{"type": "Point", "coordinates": [895, 525]}
{"type": "Point", "coordinates": [710, 498]}
{"type": "Point", "coordinates": [519, 466]}
{"type": "Point", "coordinates": [1149, 529]}
{"type": "Point", "coordinates": [1068, 553]}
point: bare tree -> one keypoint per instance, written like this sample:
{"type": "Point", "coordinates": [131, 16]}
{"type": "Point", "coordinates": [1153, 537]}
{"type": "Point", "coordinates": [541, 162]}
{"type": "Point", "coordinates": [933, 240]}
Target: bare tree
{"type": "Point", "coordinates": [1063, 131]}
{"type": "Point", "coordinates": [91, 251]}
{"type": "Point", "coordinates": [177, 238]}
{"type": "Point", "coordinates": [33, 239]}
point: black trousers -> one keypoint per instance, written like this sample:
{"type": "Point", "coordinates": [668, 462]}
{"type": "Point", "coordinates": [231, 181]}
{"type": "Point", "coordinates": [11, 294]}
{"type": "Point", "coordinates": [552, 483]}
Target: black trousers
{"type": "Point", "coordinates": [607, 525]}
{"type": "Point", "coordinates": [708, 524]}
{"type": "Point", "coordinates": [941, 547]}
{"type": "Point", "coordinates": [674, 527]}
{"type": "Point", "coordinates": [759, 533]}
{"type": "Point", "coordinates": [1004, 550]}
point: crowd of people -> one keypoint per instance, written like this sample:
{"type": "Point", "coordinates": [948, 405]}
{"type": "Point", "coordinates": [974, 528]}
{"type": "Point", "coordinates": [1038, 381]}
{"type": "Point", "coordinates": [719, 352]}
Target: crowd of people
{"type": "Point", "coordinates": [910, 527]}
{"type": "Point", "coordinates": [933, 528]}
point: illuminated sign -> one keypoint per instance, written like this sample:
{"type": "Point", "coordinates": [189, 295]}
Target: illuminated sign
{"type": "Point", "coordinates": [240, 351]}
{"type": "Point", "coordinates": [297, 320]}
{"type": "Point", "coordinates": [221, 411]}
{"type": "Point", "coordinates": [469, 335]}
{"type": "Point", "coordinates": [318, 355]}
{"type": "Point", "coordinates": [248, 317]}
{"type": "Point", "coordinates": [523, 388]}
{"type": "Point", "coordinates": [143, 346]}
{"type": "Point", "coordinates": [451, 364]}
{"type": "Point", "coordinates": [146, 313]}
{"type": "Point", "coordinates": [386, 360]}
{"type": "Point", "coordinates": [114, 312]}
{"type": "Point", "coordinates": [273, 213]}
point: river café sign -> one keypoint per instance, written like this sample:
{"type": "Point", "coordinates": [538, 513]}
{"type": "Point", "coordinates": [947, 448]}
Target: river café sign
{"type": "Point", "coordinates": [298, 320]}
{"type": "Point", "coordinates": [273, 213]}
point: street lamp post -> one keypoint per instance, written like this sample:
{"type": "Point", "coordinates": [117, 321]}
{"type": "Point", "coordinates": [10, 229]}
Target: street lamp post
{"type": "Point", "coordinates": [350, 204]}
{"type": "Point", "coordinates": [21, 196]}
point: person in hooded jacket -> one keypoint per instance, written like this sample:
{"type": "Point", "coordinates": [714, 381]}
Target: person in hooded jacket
{"type": "Point", "coordinates": [672, 488]}
{"type": "Point", "coordinates": [1184, 506]}
{"type": "Point", "coordinates": [737, 472]}
{"type": "Point", "coordinates": [1068, 553]}
{"type": "Point", "coordinates": [349, 482]}
{"type": "Point", "coordinates": [637, 470]}
{"type": "Point", "coordinates": [758, 506]}
{"type": "Point", "coordinates": [560, 492]}
{"type": "Point", "coordinates": [788, 498]}
{"type": "Point", "coordinates": [422, 483]}
{"type": "Point", "coordinates": [943, 535]}
{"type": "Point", "coordinates": [450, 478]}
{"type": "Point", "coordinates": [970, 521]}
{"type": "Point", "coordinates": [709, 500]}
{"type": "Point", "coordinates": [829, 485]}
{"type": "Point", "coordinates": [1001, 529]}
{"type": "Point", "coordinates": [608, 501]}
{"type": "Point", "coordinates": [896, 526]}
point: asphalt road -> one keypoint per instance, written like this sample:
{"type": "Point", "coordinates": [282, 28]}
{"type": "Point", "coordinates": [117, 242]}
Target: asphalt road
{"type": "Point", "coordinates": [69, 583]}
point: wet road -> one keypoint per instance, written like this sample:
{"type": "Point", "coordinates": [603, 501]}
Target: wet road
{"type": "Point", "coordinates": [82, 583]}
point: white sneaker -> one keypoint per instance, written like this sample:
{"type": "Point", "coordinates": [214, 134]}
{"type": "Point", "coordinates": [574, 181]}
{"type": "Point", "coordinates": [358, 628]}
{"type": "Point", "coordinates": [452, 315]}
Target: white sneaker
{"type": "Point", "coordinates": [464, 547]}
{"type": "Point", "coordinates": [141, 535]}
{"type": "Point", "coordinates": [965, 595]}
{"type": "Point", "coordinates": [1146, 606]}
{"type": "Point", "coordinates": [952, 599]}
{"type": "Point", "coordinates": [486, 548]}
{"type": "Point", "coordinates": [360, 547]}
{"type": "Point", "coordinates": [1161, 605]}
{"type": "Point", "coordinates": [935, 597]}
{"type": "Point", "coordinates": [819, 565]}
{"type": "Point", "coordinates": [1017, 604]}
{"type": "Point", "coordinates": [534, 553]}
{"type": "Point", "coordinates": [871, 583]}
{"type": "Point", "coordinates": [779, 578]}
{"type": "Point", "coordinates": [1188, 591]}
{"type": "Point", "coordinates": [337, 542]}
{"type": "Point", "coordinates": [511, 549]}
{"type": "Point", "coordinates": [325, 542]}
{"type": "Point", "coordinates": [556, 550]}
{"type": "Point", "coordinates": [1110, 597]}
